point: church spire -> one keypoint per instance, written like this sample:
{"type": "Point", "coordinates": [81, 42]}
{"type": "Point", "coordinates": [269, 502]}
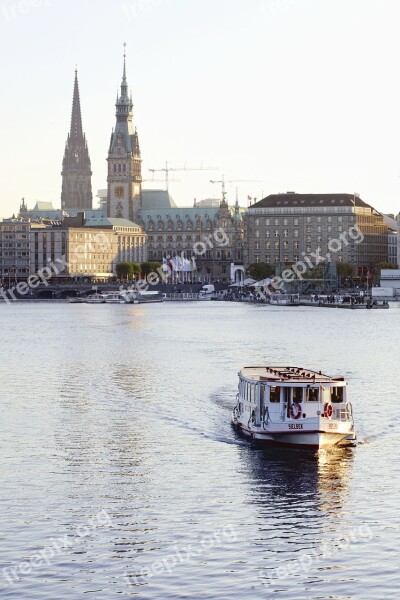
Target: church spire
{"type": "Point", "coordinates": [76, 173]}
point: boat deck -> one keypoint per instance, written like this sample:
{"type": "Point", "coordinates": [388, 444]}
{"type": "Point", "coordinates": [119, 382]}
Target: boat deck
{"type": "Point", "coordinates": [286, 375]}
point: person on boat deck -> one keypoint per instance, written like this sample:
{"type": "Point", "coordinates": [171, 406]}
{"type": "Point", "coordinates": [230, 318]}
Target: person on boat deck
{"type": "Point", "coordinates": [313, 396]}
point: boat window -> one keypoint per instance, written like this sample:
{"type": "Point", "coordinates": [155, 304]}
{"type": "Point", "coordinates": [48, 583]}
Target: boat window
{"type": "Point", "coordinates": [337, 394]}
{"type": "Point", "coordinates": [275, 394]}
{"type": "Point", "coordinates": [298, 395]}
{"type": "Point", "coordinates": [312, 394]}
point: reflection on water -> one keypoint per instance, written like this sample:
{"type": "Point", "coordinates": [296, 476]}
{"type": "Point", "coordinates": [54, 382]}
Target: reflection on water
{"type": "Point", "coordinates": [128, 411]}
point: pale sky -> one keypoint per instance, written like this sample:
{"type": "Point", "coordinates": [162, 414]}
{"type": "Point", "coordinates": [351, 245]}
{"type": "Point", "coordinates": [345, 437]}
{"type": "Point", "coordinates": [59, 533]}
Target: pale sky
{"type": "Point", "coordinates": [298, 95]}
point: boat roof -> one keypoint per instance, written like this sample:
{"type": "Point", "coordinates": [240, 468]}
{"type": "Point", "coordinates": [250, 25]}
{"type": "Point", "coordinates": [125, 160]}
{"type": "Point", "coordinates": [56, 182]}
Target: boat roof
{"type": "Point", "coordinates": [286, 375]}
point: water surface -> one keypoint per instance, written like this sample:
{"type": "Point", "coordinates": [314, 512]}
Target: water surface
{"type": "Point", "coordinates": [119, 461]}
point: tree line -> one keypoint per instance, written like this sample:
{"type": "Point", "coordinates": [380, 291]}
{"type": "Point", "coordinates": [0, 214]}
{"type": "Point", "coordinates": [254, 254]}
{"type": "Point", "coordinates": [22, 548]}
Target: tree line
{"type": "Point", "coordinates": [133, 270]}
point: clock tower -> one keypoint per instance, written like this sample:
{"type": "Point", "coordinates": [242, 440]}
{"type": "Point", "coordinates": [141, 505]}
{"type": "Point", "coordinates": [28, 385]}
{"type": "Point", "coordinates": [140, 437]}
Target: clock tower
{"type": "Point", "coordinates": [76, 192]}
{"type": "Point", "coordinates": [124, 177]}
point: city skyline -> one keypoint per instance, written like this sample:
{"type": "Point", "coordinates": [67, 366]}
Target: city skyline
{"type": "Point", "coordinates": [288, 95]}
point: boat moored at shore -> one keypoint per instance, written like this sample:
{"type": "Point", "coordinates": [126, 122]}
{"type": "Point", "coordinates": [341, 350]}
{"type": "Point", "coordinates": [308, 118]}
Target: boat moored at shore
{"type": "Point", "coordinates": [96, 298]}
{"type": "Point", "coordinates": [145, 296]}
{"type": "Point", "coordinates": [293, 406]}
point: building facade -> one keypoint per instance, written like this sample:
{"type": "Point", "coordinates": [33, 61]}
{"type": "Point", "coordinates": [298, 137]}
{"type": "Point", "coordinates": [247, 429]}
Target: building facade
{"type": "Point", "coordinates": [124, 177]}
{"type": "Point", "coordinates": [212, 235]}
{"type": "Point", "coordinates": [79, 247]}
{"type": "Point", "coordinates": [283, 228]}
{"type": "Point", "coordinates": [76, 191]}
{"type": "Point", "coordinates": [14, 250]}
{"type": "Point", "coordinates": [72, 248]}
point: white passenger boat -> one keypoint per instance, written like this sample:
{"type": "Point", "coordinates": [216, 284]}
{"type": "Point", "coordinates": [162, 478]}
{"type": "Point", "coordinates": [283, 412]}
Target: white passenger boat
{"type": "Point", "coordinates": [145, 296]}
{"type": "Point", "coordinates": [293, 406]}
{"type": "Point", "coordinates": [116, 298]}
{"type": "Point", "coordinates": [96, 298]}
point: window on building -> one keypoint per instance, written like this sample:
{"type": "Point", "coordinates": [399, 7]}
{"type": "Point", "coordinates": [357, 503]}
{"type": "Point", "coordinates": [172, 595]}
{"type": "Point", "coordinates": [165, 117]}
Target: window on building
{"type": "Point", "coordinates": [268, 258]}
{"type": "Point", "coordinates": [276, 244]}
{"type": "Point", "coordinates": [295, 233]}
{"type": "Point", "coordinates": [295, 221]}
{"type": "Point", "coordinates": [276, 221]}
{"type": "Point", "coordinates": [267, 234]}
{"type": "Point", "coordinates": [267, 245]}
{"type": "Point", "coordinates": [276, 233]}
{"type": "Point", "coordinates": [267, 222]}
{"type": "Point", "coordinates": [285, 233]}
{"type": "Point", "coordinates": [286, 221]}
{"type": "Point", "coordinates": [296, 245]}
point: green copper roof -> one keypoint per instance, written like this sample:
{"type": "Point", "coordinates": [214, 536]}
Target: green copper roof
{"type": "Point", "coordinates": [156, 199]}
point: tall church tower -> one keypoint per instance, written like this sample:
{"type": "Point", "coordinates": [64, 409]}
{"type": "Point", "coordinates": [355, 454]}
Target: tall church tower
{"type": "Point", "coordinates": [124, 162]}
{"type": "Point", "coordinates": [76, 172]}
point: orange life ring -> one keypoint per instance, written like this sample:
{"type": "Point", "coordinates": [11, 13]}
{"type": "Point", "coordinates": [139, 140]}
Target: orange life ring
{"type": "Point", "coordinates": [295, 410]}
{"type": "Point", "coordinates": [328, 410]}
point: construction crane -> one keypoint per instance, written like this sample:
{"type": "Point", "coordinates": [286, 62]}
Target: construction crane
{"type": "Point", "coordinates": [167, 170]}
{"type": "Point", "coordinates": [223, 181]}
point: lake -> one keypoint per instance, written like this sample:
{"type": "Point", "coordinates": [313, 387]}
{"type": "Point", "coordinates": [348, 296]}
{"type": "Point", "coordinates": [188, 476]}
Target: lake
{"type": "Point", "coordinates": [122, 476]}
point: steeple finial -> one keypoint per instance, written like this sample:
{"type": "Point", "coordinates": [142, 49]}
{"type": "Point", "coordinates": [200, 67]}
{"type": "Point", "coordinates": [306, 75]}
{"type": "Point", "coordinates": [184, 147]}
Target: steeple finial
{"type": "Point", "coordinates": [124, 73]}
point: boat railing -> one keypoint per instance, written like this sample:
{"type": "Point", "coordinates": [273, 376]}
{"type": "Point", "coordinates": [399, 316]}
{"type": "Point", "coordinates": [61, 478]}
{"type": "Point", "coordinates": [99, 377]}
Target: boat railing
{"type": "Point", "coordinates": [343, 413]}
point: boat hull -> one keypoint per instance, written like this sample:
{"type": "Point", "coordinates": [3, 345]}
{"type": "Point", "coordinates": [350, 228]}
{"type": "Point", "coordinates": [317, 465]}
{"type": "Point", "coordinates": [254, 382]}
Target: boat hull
{"type": "Point", "coordinates": [325, 435]}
